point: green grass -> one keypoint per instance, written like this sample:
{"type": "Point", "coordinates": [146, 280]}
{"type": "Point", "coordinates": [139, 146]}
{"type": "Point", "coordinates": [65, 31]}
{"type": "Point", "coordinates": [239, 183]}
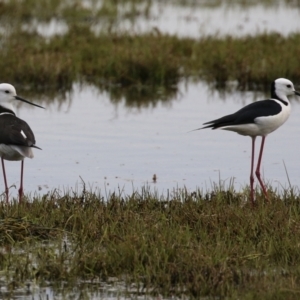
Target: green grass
{"type": "Point", "coordinates": [149, 60]}
{"type": "Point", "coordinates": [199, 244]}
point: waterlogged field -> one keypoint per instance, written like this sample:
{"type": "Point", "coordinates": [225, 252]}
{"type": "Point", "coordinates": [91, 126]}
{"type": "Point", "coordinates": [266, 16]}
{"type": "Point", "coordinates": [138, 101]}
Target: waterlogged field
{"type": "Point", "coordinates": [122, 202]}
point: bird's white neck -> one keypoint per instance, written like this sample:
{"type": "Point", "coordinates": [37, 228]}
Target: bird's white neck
{"type": "Point", "coordinates": [7, 107]}
{"type": "Point", "coordinates": [283, 98]}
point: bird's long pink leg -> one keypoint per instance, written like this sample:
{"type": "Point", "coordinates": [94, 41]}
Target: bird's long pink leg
{"type": "Point", "coordinates": [257, 172]}
{"type": "Point", "coordinates": [21, 183]}
{"type": "Point", "coordinates": [251, 174]}
{"type": "Point", "coordinates": [5, 181]}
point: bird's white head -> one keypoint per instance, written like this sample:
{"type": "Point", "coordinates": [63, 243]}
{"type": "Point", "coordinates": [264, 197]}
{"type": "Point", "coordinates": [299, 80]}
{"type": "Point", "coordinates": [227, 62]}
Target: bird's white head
{"type": "Point", "coordinates": [281, 88]}
{"type": "Point", "coordinates": [8, 95]}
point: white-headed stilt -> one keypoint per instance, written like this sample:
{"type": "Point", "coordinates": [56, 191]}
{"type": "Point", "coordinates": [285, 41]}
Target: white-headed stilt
{"type": "Point", "coordinates": [259, 119]}
{"type": "Point", "coordinates": [16, 137]}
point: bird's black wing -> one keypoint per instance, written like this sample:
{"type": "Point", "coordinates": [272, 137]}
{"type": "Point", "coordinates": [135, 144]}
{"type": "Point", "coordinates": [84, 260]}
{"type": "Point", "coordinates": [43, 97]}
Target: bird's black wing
{"type": "Point", "coordinates": [247, 114]}
{"type": "Point", "coordinates": [15, 131]}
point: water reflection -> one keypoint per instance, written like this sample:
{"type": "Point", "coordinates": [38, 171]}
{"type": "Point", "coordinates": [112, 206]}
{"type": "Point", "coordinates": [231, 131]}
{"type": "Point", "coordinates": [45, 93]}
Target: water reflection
{"type": "Point", "coordinates": [141, 96]}
{"type": "Point", "coordinates": [138, 96]}
{"type": "Point", "coordinates": [130, 96]}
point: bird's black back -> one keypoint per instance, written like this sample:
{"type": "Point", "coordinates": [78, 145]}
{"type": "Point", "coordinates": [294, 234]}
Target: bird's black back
{"type": "Point", "coordinates": [10, 133]}
{"type": "Point", "coordinates": [247, 114]}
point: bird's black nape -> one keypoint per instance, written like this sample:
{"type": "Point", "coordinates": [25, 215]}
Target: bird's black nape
{"type": "Point", "coordinates": [273, 91]}
{"type": "Point", "coordinates": [6, 110]}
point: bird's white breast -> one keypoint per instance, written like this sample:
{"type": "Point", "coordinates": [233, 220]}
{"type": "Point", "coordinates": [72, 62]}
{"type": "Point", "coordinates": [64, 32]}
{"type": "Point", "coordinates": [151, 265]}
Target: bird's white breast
{"type": "Point", "coordinates": [270, 123]}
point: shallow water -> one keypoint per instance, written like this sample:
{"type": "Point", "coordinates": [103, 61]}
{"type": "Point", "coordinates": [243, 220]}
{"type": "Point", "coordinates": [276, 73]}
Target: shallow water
{"type": "Point", "coordinates": [113, 147]}
{"type": "Point", "coordinates": [200, 18]}
{"type": "Point", "coordinates": [112, 290]}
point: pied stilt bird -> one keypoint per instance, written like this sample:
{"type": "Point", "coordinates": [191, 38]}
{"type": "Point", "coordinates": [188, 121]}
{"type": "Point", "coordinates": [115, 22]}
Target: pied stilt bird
{"type": "Point", "coordinates": [16, 137]}
{"type": "Point", "coordinates": [259, 119]}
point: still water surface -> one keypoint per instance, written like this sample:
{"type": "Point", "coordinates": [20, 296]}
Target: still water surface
{"type": "Point", "coordinates": [113, 146]}
{"type": "Point", "coordinates": [235, 19]}
{"type": "Point", "coordinates": [197, 19]}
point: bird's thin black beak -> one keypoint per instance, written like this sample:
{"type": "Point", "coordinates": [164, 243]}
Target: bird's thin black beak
{"type": "Point", "coordinates": [26, 101]}
{"type": "Point", "coordinates": [297, 93]}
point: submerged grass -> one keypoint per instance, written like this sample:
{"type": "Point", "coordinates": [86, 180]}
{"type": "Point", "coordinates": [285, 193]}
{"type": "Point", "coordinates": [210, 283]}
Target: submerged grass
{"type": "Point", "coordinates": [200, 244]}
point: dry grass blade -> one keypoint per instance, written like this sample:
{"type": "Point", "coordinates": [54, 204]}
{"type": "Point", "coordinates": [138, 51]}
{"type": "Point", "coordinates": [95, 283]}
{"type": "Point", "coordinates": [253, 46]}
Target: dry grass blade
{"type": "Point", "coordinates": [20, 229]}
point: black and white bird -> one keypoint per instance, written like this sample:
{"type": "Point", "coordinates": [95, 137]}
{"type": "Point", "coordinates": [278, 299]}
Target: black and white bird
{"type": "Point", "coordinates": [259, 119]}
{"type": "Point", "coordinates": [16, 137]}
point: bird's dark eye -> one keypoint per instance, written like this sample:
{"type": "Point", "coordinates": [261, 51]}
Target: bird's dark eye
{"type": "Point", "coordinates": [7, 92]}
{"type": "Point", "coordinates": [288, 86]}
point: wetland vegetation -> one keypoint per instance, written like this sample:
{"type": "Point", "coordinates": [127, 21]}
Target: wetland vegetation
{"type": "Point", "coordinates": [201, 244]}
{"type": "Point", "coordinates": [108, 58]}
{"type": "Point", "coordinates": [152, 59]}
